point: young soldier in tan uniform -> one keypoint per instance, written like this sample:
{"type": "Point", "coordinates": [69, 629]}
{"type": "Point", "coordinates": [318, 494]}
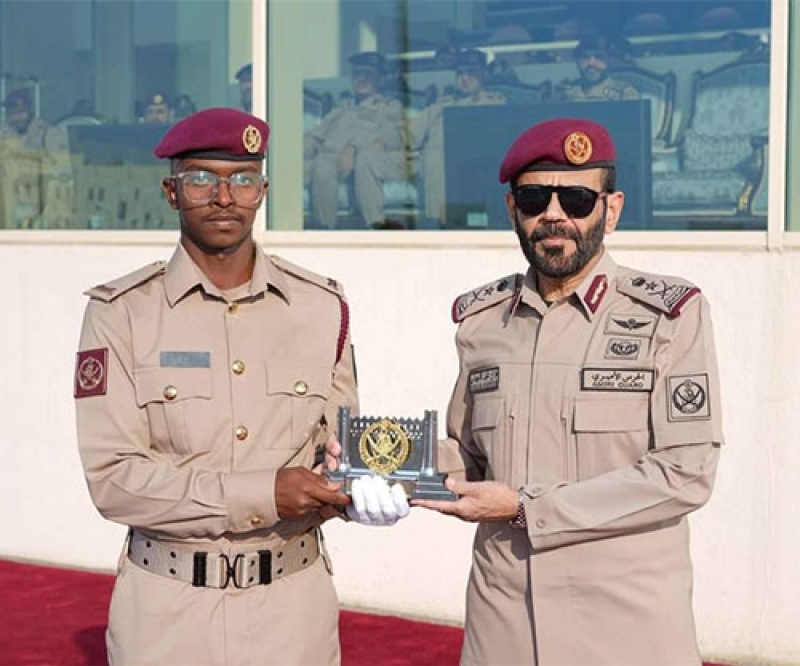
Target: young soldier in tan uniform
{"type": "Point", "coordinates": [586, 418]}
{"type": "Point", "coordinates": [362, 141]}
{"type": "Point", "coordinates": [427, 129]}
{"type": "Point", "coordinates": [204, 386]}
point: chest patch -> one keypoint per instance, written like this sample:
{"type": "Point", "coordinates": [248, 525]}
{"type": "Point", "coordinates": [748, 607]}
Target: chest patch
{"type": "Point", "coordinates": [623, 348]}
{"type": "Point", "coordinates": [91, 373]}
{"type": "Point", "coordinates": [640, 325]}
{"type": "Point", "coordinates": [185, 359]}
{"type": "Point", "coordinates": [689, 398]}
{"type": "Point", "coordinates": [484, 380]}
{"type": "Point", "coordinates": [612, 379]}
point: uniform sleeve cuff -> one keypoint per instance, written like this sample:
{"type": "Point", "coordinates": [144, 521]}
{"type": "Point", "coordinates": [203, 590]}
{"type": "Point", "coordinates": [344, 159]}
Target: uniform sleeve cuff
{"type": "Point", "coordinates": [251, 500]}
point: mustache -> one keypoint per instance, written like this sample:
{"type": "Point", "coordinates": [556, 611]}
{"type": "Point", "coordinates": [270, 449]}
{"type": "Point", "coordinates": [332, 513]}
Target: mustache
{"type": "Point", "coordinates": [553, 231]}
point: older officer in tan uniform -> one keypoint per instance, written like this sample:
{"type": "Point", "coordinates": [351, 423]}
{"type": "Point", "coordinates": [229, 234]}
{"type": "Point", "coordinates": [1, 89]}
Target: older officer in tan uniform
{"type": "Point", "coordinates": [362, 141]}
{"type": "Point", "coordinates": [427, 128]}
{"type": "Point", "coordinates": [593, 56]}
{"type": "Point", "coordinates": [204, 386]}
{"type": "Point", "coordinates": [586, 417]}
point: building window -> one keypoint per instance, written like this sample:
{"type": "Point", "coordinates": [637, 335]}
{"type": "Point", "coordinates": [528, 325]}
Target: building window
{"type": "Point", "coordinates": [88, 96]}
{"type": "Point", "coordinates": [395, 115]}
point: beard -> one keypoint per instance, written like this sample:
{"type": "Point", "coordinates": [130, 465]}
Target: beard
{"type": "Point", "coordinates": [553, 261]}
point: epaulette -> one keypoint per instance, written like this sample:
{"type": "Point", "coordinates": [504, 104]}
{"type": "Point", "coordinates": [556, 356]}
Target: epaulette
{"type": "Point", "coordinates": [486, 296]}
{"type": "Point", "coordinates": [108, 291]}
{"type": "Point", "coordinates": [306, 275]}
{"type": "Point", "coordinates": [328, 284]}
{"type": "Point", "coordinates": [663, 292]}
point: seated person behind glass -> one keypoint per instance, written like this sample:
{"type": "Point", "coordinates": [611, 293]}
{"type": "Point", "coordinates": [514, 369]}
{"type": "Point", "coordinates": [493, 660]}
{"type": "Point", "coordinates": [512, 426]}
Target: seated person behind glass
{"type": "Point", "coordinates": [593, 57]}
{"type": "Point", "coordinates": [31, 152]}
{"type": "Point", "coordinates": [157, 110]}
{"type": "Point", "coordinates": [427, 128]}
{"type": "Point", "coordinates": [360, 140]}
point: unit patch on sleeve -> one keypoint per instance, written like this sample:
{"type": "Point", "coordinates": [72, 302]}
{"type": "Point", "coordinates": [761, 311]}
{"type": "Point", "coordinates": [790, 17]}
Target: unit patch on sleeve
{"type": "Point", "coordinates": [688, 398]}
{"type": "Point", "coordinates": [91, 373]}
{"type": "Point", "coordinates": [623, 348]}
{"type": "Point", "coordinates": [612, 379]}
{"type": "Point", "coordinates": [484, 380]}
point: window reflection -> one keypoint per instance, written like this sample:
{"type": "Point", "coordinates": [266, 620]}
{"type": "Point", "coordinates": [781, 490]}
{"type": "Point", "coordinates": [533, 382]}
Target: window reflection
{"type": "Point", "coordinates": [684, 86]}
{"type": "Point", "coordinates": [84, 104]}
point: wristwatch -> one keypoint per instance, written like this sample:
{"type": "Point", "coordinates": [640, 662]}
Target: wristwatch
{"type": "Point", "coordinates": [519, 522]}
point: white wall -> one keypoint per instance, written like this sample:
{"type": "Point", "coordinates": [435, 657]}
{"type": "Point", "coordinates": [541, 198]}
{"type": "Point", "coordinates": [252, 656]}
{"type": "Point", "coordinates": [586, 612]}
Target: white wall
{"type": "Point", "coordinates": [745, 542]}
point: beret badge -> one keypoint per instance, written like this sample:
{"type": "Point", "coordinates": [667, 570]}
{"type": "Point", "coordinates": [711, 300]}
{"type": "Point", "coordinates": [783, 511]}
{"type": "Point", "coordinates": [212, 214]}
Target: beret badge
{"type": "Point", "coordinates": [251, 139]}
{"type": "Point", "coordinates": [578, 148]}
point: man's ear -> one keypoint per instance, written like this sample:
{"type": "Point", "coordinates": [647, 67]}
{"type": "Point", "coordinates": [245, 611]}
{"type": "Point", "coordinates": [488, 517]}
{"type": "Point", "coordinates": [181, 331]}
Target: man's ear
{"type": "Point", "coordinates": [615, 203]}
{"type": "Point", "coordinates": [511, 210]}
{"type": "Point", "coordinates": [171, 194]}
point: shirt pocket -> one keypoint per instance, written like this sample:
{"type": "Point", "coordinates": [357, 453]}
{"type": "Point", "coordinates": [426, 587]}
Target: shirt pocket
{"type": "Point", "coordinates": [492, 427]}
{"type": "Point", "coordinates": [610, 432]}
{"type": "Point", "coordinates": [298, 391]}
{"type": "Point", "coordinates": [177, 402]}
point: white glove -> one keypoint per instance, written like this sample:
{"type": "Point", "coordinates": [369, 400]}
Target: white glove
{"type": "Point", "coordinates": [375, 503]}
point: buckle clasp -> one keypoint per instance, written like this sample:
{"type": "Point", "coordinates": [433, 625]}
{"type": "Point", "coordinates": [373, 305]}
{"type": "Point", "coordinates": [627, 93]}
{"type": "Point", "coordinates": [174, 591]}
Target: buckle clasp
{"type": "Point", "coordinates": [233, 571]}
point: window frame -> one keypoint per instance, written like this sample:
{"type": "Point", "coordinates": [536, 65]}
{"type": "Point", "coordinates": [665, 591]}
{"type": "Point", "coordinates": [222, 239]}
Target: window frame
{"type": "Point", "coordinates": [776, 237]}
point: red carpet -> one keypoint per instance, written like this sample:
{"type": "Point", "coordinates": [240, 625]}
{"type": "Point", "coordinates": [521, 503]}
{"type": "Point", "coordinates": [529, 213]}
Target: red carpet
{"type": "Point", "coordinates": [56, 617]}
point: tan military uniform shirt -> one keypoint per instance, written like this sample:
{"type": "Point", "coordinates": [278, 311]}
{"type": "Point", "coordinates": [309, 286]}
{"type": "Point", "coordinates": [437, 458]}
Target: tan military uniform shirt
{"type": "Point", "coordinates": [188, 403]}
{"type": "Point", "coordinates": [373, 130]}
{"type": "Point", "coordinates": [605, 409]}
{"type": "Point", "coordinates": [427, 136]}
{"type": "Point", "coordinates": [608, 90]}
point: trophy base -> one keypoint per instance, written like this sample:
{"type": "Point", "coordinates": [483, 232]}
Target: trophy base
{"type": "Point", "coordinates": [416, 487]}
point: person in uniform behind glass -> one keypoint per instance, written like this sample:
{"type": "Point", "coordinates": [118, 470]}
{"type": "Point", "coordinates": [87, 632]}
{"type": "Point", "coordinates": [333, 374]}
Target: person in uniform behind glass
{"type": "Point", "coordinates": [204, 389]}
{"type": "Point", "coordinates": [427, 128]}
{"type": "Point", "coordinates": [583, 428]}
{"type": "Point", "coordinates": [157, 110]}
{"type": "Point", "coordinates": [594, 56]}
{"type": "Point", "coordinates": [359, 143]}
{"type": "Point", "coordinates": [244, 76]}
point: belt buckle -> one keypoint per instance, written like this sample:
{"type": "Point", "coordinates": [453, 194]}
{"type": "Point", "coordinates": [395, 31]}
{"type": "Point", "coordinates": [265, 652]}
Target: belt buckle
{"type": "Point", "coordinates": [232, 571]}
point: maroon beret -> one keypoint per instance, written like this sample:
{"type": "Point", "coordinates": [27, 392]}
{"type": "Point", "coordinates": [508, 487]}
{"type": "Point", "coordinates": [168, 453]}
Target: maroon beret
{"type": "Point", "coordinates": [560, 144]}
{"type": "Point", "coordinates": [218, 133]}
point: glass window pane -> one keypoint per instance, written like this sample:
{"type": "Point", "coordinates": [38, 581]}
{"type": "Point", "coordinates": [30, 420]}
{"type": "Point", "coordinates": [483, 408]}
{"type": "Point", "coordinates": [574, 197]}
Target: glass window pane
{"type": "Point", "coordinates": [410, 133]}
{"type": "Point", "coordinates": [86, 101]}
{"type": "Point", "coordinates": [793, 149]}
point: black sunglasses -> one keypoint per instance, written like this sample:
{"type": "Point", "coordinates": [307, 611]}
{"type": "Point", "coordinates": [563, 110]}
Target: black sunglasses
{"type": "Point", "coordinates": [574, 200]}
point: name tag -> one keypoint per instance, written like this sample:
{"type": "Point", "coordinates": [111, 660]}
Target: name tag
{"type": "Point", "coordinates": [185, 359]}
{"type": "Point", "coordinates": [483, 380]}
{"type": "Point", "coordinates": [609, 379]}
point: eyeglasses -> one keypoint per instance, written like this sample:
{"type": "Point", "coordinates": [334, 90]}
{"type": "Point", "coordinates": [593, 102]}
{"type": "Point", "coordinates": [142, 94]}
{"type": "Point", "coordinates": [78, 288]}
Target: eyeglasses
{"type": "Point", "coordinates": [574, 200]}
{"type": "Point", "coordinates": [201, 187]}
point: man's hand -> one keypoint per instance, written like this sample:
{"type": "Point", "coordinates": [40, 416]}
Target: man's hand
{"type": "Point", "coordinates": [347, 161]}
{"type": "Point", "coordinates": [332, 452]}
{"type": "Point", "coordinates": [478, 501]}
{"type": "Point", "coordinates": [375, 503]}
{"type": "Point", "coordinates": [299, 492]}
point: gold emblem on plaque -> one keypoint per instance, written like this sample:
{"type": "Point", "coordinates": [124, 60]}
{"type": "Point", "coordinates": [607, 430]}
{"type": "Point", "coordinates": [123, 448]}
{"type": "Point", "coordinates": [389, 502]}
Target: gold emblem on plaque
{"type": "Point", "coordinates": [384, 446]}
{"type": "Point", "coordinates": [251, 139]}
{"type": "Point", "coordinates": [578, 148]}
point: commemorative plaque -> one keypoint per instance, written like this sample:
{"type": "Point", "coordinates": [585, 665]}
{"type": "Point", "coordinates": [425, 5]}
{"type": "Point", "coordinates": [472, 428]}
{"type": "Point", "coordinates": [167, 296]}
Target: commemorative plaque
{"type": "Point", "coordinates": [401, 450]}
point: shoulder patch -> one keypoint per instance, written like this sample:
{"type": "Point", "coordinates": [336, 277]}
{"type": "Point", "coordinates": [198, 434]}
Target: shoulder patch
{"type": "Point", "coordinates": [108, 291]}
{"type": "Point", "coordinates": [328, 284]}
{"type": "Point", "coordinates": [486, 296]}
{"type": "Point", "coordinates": [663, 292]}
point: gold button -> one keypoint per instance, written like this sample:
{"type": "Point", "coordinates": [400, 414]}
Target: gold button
{"type": "Point", "coordinates": [233, 307]}
{"type": "Point", "coordinates": [255, 521]}
{"type": "Point", "coordinates": [237, 366]}
{"type": "Point", "coordinates": [301, 388]}
{"type": "Point", "coordinates": [170, 392]}
{"type": "Point", "coordinates": [241, 433]}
